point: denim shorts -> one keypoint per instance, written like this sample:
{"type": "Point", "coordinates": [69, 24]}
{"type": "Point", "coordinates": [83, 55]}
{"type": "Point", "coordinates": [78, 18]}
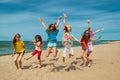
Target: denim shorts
{"type": "Point", "coordinates": [52, 44]}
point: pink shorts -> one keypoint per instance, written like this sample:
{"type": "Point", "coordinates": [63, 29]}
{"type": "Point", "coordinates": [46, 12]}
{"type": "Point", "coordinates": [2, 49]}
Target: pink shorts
{"type": "Point", "coordinates": [38, 53]}
{"type": "Point", "coordinates": [90, 47]}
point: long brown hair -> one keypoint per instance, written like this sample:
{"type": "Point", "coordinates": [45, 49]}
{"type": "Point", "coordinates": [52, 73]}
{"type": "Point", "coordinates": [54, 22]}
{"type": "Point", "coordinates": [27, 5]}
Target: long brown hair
{"type": "Point", "coordinates": [89, 29]}
{"type": "Point", "coordinates": [65, 29]}
{"type": "Point", "coordinates": [86, 36]}
{"type": "Point", "coordinates": [38, 37]}
{"type": "Point", "coordinates": [51, 26]}
{"type": "Point", "coordinates": [14, 39]}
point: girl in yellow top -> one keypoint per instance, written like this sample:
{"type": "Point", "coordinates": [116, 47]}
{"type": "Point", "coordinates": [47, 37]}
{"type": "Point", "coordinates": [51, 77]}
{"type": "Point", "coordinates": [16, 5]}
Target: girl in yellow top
{"type": "Point", "coordinates": [19, 51]}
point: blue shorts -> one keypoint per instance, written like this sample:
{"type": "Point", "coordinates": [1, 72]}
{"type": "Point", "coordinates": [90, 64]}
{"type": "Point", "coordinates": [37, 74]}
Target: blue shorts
{"type": "Point", "coordinates": [51, 44]}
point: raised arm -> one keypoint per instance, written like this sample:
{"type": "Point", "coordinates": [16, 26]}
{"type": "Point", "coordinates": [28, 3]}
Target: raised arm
{"type": "Point", "coordinates": [99, 30]}
{"type": "Point", "coordinates": [88, 24]}
{"type": "Point", "coordinates": [43, 24]}
{"type": "Point", "coordinates": [80, 40]}
{"type": "Point", "coordinates": [97, 38]}
{"type": "Point", "coordinates": [75, 38]}
{"type": "Point", "coordinates": [64, 21]}
{"type": "Point", "coordinates": [58, 22]}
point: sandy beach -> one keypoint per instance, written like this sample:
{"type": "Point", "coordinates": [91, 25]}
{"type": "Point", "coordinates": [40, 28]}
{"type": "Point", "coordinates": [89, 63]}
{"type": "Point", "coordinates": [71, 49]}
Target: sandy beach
{"type": "Point", "coordinates": [105, 65]}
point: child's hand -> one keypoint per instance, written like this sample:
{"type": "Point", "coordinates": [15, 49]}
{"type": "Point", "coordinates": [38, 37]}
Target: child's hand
{"type": "Point", "coordinates": [60, 18]}
{"type": "Point", "coordinates": [65, 16]}
{"type": "Point", "coordinates": [63, 44]}
{"type": "Point", "coordinates": [79, 42]}
{"type": "Point", "coordinates": [33, 41]}
{"type": "Point", "coordinates": [12, 55]}
{"type": "Point", "coordinates": [13, 52]}
{"type": "Point", "coordinates": [40, 19]}
{"type": "Point", "coordinates": [99, 36]}
{"type": "Point", "coordinates": [88, 21]}
{"type": "Point", "coordinates": [26, 58]}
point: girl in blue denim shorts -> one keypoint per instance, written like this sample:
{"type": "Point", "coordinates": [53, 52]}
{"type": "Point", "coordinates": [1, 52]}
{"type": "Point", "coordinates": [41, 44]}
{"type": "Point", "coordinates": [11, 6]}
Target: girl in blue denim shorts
{"type": "Point", "coordinates": [52, 32]}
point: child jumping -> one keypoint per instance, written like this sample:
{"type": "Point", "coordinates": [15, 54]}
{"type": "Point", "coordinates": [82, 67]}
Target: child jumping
{"type": "Point", "coordinates": [91, 36]}
{"type": "Point", "coordinates": [67, 39]}
{"type": "Point", "coordinates": [90, 46]}
{"type": "Point", "coordinates": [52, 32]}
{"type": "Point", "coordinates": [38, 49]}
{"type": "Point", "coordinates": [19, 50]}
{"type": "Point", "coordinates": [84, 40]}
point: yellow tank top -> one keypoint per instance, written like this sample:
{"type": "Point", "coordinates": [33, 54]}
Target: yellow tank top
{"type": "Point", "coordinates": [19, 46]}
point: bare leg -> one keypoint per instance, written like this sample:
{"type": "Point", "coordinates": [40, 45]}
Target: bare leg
{"type": "Point", "coordinates": [19, 60]}
{"type": "Point", "coordinates": [89, 62]}
{"type": "Point", "coordinates": [15, 60]}
{"type": "Point", "coordinates": [63, 59]}
{"type": "Point", "coordinates": [88, 59]}
{"type": "Point", "coordinates": [48, 52]}
{"type": "Point", "coordinates": [70, 55]}
{"type": "Point", "coordinates": [83, 61]}
{"type": "Point", "coordinates": [85, 57]}
{"type": "Point", "coordinates": [54, 52]}
{"type": "Point", "coordinates": [39, 63]}
{"type": "Point", "coordinates": [29, 57]}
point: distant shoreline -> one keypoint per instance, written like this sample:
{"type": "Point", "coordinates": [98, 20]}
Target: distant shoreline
{"type": "Point", "coordinates": [46, 41]}
{"type": "Point", "coordinates": [109, 41]}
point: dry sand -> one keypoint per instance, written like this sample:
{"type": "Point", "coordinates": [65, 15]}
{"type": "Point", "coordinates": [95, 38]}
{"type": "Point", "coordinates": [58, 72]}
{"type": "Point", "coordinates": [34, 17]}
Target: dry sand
{"type": "Point", "coordinates": [105, 65]}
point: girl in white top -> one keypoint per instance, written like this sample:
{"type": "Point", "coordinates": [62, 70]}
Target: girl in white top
{"type": "Point", "coordinates": [67, 39]}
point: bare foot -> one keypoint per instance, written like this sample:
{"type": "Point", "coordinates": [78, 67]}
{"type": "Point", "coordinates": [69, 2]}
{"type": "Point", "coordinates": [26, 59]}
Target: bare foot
{"type": "Point", "coordinates": [40, 67]}
{"type": "Point", "coordinates": [63, 59]}
{"type": "Point", "coordinates": [20, 69]}
{"type": "Point", "coordinates": [16, 69]}
{"type": "Point", "coordinates": [89, 65]}
{"type": "Point", "coordinates": [25, 58]}
{"type": "Point", "coordinates": [82, 64]}
{"type": "Point", "coordinates": [70, 55]}
{"type": "Point", "coordinates": [85, 64]}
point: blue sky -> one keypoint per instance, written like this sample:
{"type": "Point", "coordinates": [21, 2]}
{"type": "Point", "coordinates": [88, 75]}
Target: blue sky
{"type": "Point", "coordinates": [21, 16]}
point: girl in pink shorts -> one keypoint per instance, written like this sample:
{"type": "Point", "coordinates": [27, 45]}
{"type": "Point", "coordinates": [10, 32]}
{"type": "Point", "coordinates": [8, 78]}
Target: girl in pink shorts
{"type": "Point", "coordinates": [90, 46]}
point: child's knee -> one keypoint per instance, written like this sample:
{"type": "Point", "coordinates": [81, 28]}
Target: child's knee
{"type": "Point", "coordinates": [47, 55]}
{"type": "Point", "coordinates": [38, 57]}
{"type": "Point", "coordinates": [64, 54]}
{"type": "Point", "coordinates": [15, 60]}
{"type": "Point", "coordinates": [55, 56]}
{"type": "Point", "coordinates": [19, 60]}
